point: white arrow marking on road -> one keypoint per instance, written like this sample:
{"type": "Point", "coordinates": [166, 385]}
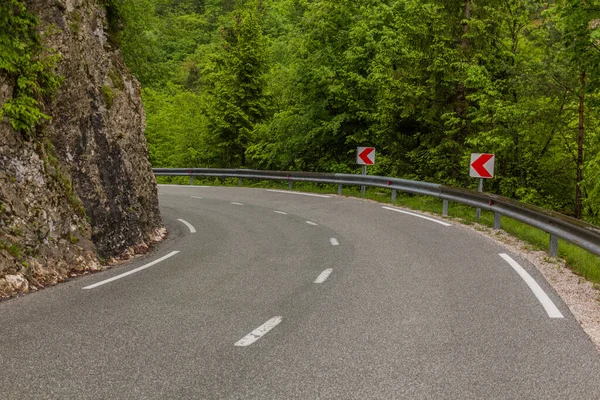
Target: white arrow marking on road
{"type": "Point", "coordinates": [312, 223]}
{"type": "Point", "coordinates": [543, 298]}
{"type": "Point", "coordinates": [190, 227]}
{"type": "Point", "coordinates": [324, 275]}
{"type": "Point", "coordinates": [417, 215]}
{"type": "Point", "coordinates": [258, 332]}
{"type": "Point", "coordinates": [133, 271]}
{"type": "Point", "coordinates": [298, 193]}
{"type": "Point", "coordinates": [334, 242]}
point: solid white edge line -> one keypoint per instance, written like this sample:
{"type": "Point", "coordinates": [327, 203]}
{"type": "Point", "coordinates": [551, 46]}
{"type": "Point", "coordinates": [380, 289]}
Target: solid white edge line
{"type": "Point", "coordinates": [543, 298]}
{"type": "Point", "coordinates": [323, 276]}
{"type": "Point", "coordinates": [280, 212]}
{"type": "Point", "coordinates": [196, 197]}
{"type": "Point", "coordinates": [133, 271]}
{"type": "Point", "coordinates": [298, 193]}
{"type": "Point", "coordinates": [418, 215]}
{"type": "Point", "coordinates": [334, 242]}
{"type": "Point", "coordinates": [312, 223]}
{"type": "Point", "coordinates": [258, 332]}
{"type": "Point", "coordinates": [190, 227]}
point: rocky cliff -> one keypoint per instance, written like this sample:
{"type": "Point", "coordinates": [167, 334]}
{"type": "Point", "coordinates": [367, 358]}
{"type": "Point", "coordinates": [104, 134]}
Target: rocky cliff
{"type": "Point", "coordinates": [80, 189]}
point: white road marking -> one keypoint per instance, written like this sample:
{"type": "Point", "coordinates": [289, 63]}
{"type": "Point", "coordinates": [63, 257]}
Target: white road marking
{"type": "Point", "coordinates": [133, 271]}
{"type": "Point", "coordinates": [324, 275]}
{"type": "Point", "coordinates": [171, 185]}
{"type": "Point", "coordinates": [543, 298]}
{"type": "Point", "coordinates": [298, 193]}
{"type": "Point", "coordinates": [196, 197]}
{"type": "Point", "coordinates": [190, 227]}
{"type": "Point", "coordinates": [334, 242]}
{"type": "Point", "coordinates": [236, 204]}
{"type": "Point", "coordinates": [258, 332]}
{"type": "Point", "coordinates": [312, 223]}
{"type": "Point", "coordinates": [280, 212]}
{"type": "Point", "coordinates": [418, 215]}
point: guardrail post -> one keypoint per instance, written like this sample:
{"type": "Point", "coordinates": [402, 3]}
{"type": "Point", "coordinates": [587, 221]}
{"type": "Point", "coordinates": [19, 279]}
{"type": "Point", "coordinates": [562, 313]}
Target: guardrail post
{"type": "Point", "coordinates": [239, 181]}
{"type": "Point", "coordinates": [191, 180]}
{"type": "Point", "coordinates": [363, 189]}
{"type": "Point", "coordinates": [290, 185]}
{"type": "Point", "coordinates": [496, 220]}
{"type": "Point", "coordinates": [553, 246]}
{"type": "Point", "coordinates": [479, 189]}
{"type": "Point", "coordinates": [393, 195]}
{"type": "Point", "coordinates": [340, 189]}
{"type": "Point", "coordinates": [445, 208]}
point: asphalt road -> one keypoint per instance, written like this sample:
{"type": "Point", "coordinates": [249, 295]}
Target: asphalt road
{"type": "Point", "coordinates": [406, 308]}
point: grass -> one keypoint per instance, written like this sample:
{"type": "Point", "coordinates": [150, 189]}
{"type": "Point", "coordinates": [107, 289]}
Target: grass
{"type": "Point", "coordinates": [579, 261]}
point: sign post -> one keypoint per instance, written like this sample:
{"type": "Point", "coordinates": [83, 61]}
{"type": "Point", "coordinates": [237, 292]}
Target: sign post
{"type": "Point", "coordinates": [482, 167]}
{"type": "Point", "coordinates": [365, 156]}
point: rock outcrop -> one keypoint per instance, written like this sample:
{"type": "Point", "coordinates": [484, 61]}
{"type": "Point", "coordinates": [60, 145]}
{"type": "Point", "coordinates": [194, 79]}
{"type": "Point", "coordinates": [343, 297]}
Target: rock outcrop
{"type": "Point", "coordinates": [81, 190]}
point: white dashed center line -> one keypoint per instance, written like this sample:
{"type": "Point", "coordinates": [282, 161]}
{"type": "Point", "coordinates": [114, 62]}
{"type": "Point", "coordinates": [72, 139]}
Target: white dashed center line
{"type": "Point", "coordinates": [324, 275]}
{"type": "Point", "coordinates": [258, 332]}
{"type": "Point", "coordinates": [334, 242]}
{"type": "Point", "coordinates": [280, 212]}
{"type": "Point", "coordinates": [237, 204]}
{"type": "Point", "coordinates": [312, 223]}
{"type": "Point", "coordinates": [196, 197]}
{"type": "Point", "coordinates": [542, 297]}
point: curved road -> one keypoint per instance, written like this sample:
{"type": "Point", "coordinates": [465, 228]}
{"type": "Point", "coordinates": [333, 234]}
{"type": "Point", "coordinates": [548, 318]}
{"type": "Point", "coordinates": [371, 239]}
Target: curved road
{"type": "Point", "coordinates": [287, 296]}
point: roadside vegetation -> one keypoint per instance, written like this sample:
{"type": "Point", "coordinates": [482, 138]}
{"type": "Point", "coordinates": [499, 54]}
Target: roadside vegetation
{"type": "Point", "coordinates": [298, 85]}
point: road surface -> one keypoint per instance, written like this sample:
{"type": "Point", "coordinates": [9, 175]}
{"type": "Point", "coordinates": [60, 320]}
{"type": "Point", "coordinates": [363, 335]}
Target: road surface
{"type": "Point", "coordinates": [263, 294]}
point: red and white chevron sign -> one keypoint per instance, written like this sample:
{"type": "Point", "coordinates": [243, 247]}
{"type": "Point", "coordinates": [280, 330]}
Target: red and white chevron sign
{"type": "Point", "coordinates": [365, 156]}
{"type": "Point", "coordinates": [482, 165]}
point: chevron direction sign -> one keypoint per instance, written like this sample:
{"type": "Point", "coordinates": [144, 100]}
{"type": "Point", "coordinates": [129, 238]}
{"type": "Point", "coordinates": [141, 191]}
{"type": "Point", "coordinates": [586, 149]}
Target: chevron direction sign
{"type": "Point", "coordinates": [365, 156]}
{"type": "Point", "coordinates": [482, 165]}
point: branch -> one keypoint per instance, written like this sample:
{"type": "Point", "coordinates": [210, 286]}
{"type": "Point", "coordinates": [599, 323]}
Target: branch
{"type": "Point", "coordinates": [569, 90]}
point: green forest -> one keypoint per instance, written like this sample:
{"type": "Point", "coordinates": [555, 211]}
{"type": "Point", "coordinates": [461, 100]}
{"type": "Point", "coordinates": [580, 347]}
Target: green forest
{"type": "Point", "coordinates": [299, 84]}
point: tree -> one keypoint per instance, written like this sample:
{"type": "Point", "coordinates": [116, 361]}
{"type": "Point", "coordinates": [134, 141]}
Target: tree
{"type": "Point", "coordinates": [235, 100]}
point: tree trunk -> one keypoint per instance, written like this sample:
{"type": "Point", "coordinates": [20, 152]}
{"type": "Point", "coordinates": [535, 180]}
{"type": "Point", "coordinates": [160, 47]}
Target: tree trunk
{"type": "Point", "coordinates": [580, 137]}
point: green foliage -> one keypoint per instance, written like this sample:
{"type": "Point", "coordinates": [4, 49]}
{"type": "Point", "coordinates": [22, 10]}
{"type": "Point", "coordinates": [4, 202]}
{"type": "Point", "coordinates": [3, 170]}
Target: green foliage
{"type": "Point", "coordinates": [298, 85]}
{"type": "Point", "coordinates": [27, 64]}
{"type": "Point", "coordinates": [73, 239]}
{"type": "Point", "coordinates": [109, 95]}
{"type": "Point", "coordinates": [12, 248]}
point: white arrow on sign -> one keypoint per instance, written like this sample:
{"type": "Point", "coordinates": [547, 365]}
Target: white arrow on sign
{"type": "Point", "coordinates": [482, 165]}
{"type": "Point", "coordinates": [365, 156]}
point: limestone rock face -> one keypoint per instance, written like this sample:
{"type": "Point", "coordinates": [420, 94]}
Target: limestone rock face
{"type": "Point", "coordinates": [82, 188]}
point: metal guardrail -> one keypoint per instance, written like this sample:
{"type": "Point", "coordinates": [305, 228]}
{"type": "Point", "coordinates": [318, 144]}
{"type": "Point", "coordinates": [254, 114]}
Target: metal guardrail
{"type": "Point", "coordinates": [572, 230]}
